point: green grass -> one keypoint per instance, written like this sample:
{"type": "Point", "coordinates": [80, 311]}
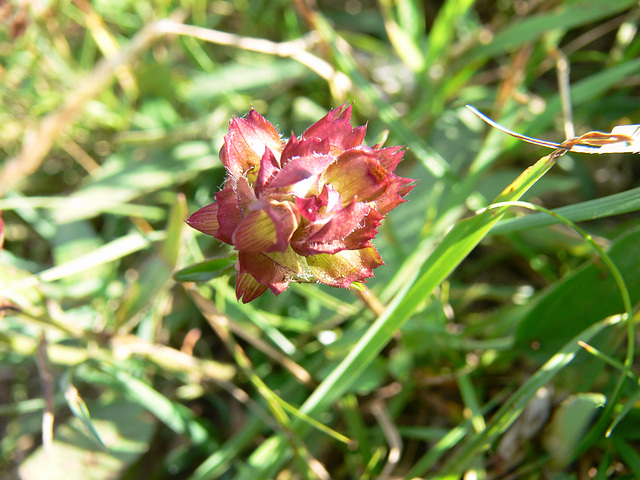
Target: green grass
{"type": "Point", "coordinates": [495, 342]}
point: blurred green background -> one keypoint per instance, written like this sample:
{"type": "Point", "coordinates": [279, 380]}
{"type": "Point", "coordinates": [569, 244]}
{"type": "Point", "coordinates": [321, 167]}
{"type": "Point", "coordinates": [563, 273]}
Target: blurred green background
{"type": "Point", "coordinates": [112, 114]}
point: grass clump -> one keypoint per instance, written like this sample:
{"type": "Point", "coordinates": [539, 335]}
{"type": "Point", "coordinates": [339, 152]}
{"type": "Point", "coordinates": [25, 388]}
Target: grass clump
{"type": "Point", "coordinates": [495, 342]}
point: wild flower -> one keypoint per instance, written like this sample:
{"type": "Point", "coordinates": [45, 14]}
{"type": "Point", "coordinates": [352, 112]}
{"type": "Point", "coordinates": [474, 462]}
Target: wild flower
{"type": "Point", "coordinates": [305, 209]}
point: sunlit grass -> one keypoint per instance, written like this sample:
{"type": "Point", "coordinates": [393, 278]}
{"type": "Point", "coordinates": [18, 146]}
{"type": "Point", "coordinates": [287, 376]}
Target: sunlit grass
{"type": "Point", "coordinates": [112, 117]}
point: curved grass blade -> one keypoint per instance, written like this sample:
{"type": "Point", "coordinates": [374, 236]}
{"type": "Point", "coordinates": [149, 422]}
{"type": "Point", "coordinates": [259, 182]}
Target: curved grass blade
{"type": "Point", "coordinates": [512, 408]}
{"type": "Point", "coordinates": [456, 245]}
{"type": "Point", "coordinates": [519, 136]}
{"type": "Point", "coordinates": [507, 415]}
{"type": "Point", "coordinates": [177, 417]}
{"type": "Point", "coordinates": [615, 204]}
{"type": "Point", "coordinates": [79, 409]}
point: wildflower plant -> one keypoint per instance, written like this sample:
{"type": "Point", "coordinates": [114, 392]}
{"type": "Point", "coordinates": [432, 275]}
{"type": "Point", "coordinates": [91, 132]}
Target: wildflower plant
{"type": "Point", "coordinates": [304, 209]}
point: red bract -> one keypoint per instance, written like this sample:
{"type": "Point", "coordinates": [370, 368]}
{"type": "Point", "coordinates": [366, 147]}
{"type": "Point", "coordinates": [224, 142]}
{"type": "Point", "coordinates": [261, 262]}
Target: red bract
{"type": "Point", "coordinates": [304, 210]}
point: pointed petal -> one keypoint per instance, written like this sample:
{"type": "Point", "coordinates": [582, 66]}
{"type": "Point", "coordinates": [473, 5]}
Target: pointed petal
{"type": "Point", "coordinates": [286, 218]}
{"type": "Point", "coordinates": [358, 173]}
{"type": "Point", "coordinates": [204, 220]}
{"type": "Point", "coordinates": [245, 194]}
{"type": "Point", "coordinates": [336, 128]}
{"type": "Point", "coordinates": [301, 168]}
{"type": "Point", "coordinates": [345, 267]}
{"type": "Point", "coordinates": [229, 211]}
{"type": "Point", "coordinates": [390, 157]}
{"type": "Point", "coordinates": [246, 141]}
{"type": "Point", "coordinates": [398, 188]}
{"type": "Point", "coordinates": [267, 228]}
{"type": "Point", "coordinates": [308, 207]}
{"type": "Point", "coordinates": [333, 199]}
{"type": "Point", "coordinates": [273, 270]}
{"type": "Point", "coordinates": [296, 147]}
{"type": "Point", "coordinates": [247, 288]}
{"type": "Point", "coordinates": [330, 238]}
{"type": "Point", "coordinates": [366, 231]}
{"type": "Point", "coordinates": [269, 168]}
{"type": "Point", "coordinates": [256, 233]}
{"type": "Point", "coordinates": [264, 271]}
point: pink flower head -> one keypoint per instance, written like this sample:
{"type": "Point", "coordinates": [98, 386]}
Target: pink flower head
{"type": "Point", "coordinates": [303, 210]}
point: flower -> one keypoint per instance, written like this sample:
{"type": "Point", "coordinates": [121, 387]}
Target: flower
{"type": "Point", "coordinates": [305, 209]}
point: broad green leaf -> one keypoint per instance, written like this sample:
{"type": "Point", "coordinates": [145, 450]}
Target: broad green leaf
{"type": "Point", "coordinates": [155, 274]}
{"type": "Point", "coordinates": [511, 409]}
{"type": "Point", "coordinates": [580, 299]}
{"type": "Point", "coordinates": [126, 429]}
{"type": "Point", "coordinates": [70, 203]}
{"type": "Point", "coordinates": [236, 77]}
{"type": "Point", "coordinates": [569, 423]}
{"type": "Point", "coordinates": [109, 252]}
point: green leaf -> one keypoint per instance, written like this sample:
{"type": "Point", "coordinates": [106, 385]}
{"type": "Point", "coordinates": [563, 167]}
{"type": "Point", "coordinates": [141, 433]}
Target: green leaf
{"type": "Point", "coordinates": [629, 455]}
{"type": "Point", "coordinates": [122, 180]}
{"type": "Point", "coordinates": [126, 429]}
{"type": "Point", "coordinates": [580, 299]}
{"type": "Point", "coordinates": [236, 77]}
{"type": "Point", "coordinates": [615, 204]}
{"type": "Point", "coordinates": [456, 245]}
{"type": "Point", "coordinates": [79, 409]}
{"type": "Point", "coordinates": [205, 271]}
{"type": "Point", "coordinates": [569, 424]}
{"type": "Point", "coordinates": [177, 417]}
{"type": "Point", "coordinates": [155, 273]}
{"type": "Point", "coordinates": [567, 15]}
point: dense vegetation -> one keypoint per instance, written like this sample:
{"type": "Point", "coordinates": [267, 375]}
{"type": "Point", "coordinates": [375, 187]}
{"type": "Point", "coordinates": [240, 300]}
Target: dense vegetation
{"type": "Point", "coordinates": [494, 343]}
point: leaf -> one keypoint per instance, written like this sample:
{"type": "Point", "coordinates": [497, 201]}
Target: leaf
{"type": "Point", "coordinates": [580, 299]}
{"type": "Point", "coordinates": [237, 77]}
{"type": "Point", "coordinates": [569, 423]}
{"type": "Point", "coordinates": [79, 409]}
{"type": "Point", "coordinates": [566, 16]}
{"type": "Point", "coordinates": [205, 271]}
{"type": "Point", "coordinates": [176, 416]}
{"type": "Point", "coordinates": [155, 273]}
{"type": "Point", "coordinates": [456, 245]}
{"type": "Point", "coordinates": [615, 204]}
{"type": "Point", "coordinates": [126, 429]}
